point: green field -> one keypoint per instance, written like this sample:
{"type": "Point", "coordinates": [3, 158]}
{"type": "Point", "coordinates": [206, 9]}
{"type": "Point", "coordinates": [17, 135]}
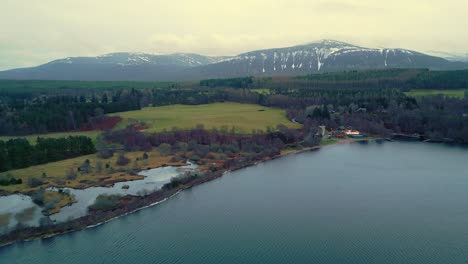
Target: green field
{"type": "Point", "coordinates": [460, 93]}
{"type": "Point", "coordinates": [261, 91]}
{"type": "Point", "coordinates": [244, 117]}
{"type": "Point", "coordinates": [32, 138]}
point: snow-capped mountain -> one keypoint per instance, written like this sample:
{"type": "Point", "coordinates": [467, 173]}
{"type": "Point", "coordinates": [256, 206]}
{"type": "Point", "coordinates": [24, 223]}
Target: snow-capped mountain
{"type": "Point", "coordinates": [115, 67]}
{"type": "Point", "coordinates": [320, 56]}
{"type": "Point", "coordinates": [132, 59]}
{"type": "Point", "coordinates": [323, 56]}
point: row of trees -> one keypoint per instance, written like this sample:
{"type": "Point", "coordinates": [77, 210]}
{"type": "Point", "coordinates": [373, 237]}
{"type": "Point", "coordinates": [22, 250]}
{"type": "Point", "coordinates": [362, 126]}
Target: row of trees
{"type": "Point", "coordinates": [200, 142]}
{"type": "Point", "coordinates": [438, 118]}
{"type": "Point", "coordinates": [59, 113]}
{"type": "Point", "coordinates": [20, 153]}
{"type": "Point", "coordinates": [349, 93]}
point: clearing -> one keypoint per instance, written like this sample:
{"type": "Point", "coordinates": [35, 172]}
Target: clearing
{"type": "Point", "coordinates": [243, 117]}
{"type": "Point", "coordinates": [460, 93]}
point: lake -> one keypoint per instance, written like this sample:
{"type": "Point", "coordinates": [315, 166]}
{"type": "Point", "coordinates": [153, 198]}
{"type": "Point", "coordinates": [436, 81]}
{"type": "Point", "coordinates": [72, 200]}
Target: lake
{"type": "Point", "coordinates": [354, 203]}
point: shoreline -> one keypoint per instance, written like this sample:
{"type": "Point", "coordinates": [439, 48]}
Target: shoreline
{"type": "Point", "coordinates": [137, 203]}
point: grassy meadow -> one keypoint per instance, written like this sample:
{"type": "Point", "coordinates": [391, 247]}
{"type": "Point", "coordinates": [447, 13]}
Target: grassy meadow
{"type": "Point", "coordinates": [55, 173]}
{"type": "Point", "coordinates": [460, 93]}
{"type": "Point", "coordinates": [244, 117]}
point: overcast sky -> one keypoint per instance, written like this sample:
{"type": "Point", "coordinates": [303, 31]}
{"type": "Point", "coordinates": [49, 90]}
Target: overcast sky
{"type": "Point", "coordinates": [37, 31]}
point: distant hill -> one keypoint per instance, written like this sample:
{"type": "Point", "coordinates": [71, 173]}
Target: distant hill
{"type": "Point", "coordinates": [451, 56]}
{"type": "Point", "coordinates": [315, 57]}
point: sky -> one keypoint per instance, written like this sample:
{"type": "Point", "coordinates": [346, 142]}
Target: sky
{"type": "Point", "coordinates": [33, 32]}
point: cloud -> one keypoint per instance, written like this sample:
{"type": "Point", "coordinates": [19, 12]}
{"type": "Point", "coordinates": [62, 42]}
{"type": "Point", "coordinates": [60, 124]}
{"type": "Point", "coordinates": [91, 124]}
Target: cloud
{"type": "Point", "coordinates": [37, 31]}
{"type": "Point", "coordinates": [336, 7]}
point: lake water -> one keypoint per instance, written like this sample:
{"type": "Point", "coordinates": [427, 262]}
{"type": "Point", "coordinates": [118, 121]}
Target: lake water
{"type": "Point", "coordinates": [375, 203]}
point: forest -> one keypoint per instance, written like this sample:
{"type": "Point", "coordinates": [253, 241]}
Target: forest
{"type": "Point", "coordinates": [28, 114]}
{"type": "Point", "coordinates": [368, 100]}
{"type": "Point", "coordinates": [20, 153]}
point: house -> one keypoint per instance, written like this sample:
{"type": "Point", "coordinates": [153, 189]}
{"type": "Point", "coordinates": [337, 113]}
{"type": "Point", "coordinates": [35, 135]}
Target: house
{"type": "Point", "coordinates": [353, 133]}
{"type": "Point", "coordinates": [350, 132]}
{"type": "Point", "coordinates": [338, 134]}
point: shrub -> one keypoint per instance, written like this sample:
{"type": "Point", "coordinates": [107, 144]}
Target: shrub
{"type": "Point", "coordinates": [99, 166]}
{"type": "Point", "coordinates": [105, 153]}
{"type": "Point", "coordinates": [85, 167]}
{"type": "Point", "coordinates": [14, 181]}
{"type": "Point", "coordinates": [181, 179]}
{"type": "Point", "coordinates": [177, 158]}
{"type": "Point", "coordinates": [59, 181]}
{"type": "Point", "coordinates": [202, 150]}
{"type": "Point", "coordinates": [122, 160]}
{"type": "Point", "coordinates": [194, 157]}
{"type": "Point", "coordinates": [165, 149]}
{"type": "Point", "coordinates": [38, 197]}
{"type": "Point", "coordinates": [35, 182]}
{"type": "Point", "coordinates": [181, 146]}
{"type": "Point", "coordinates": [71, 174]}
{"type": "Point", "coordinates": [105, 202]}
{"type": "Point", "coordinates": [6, 180]}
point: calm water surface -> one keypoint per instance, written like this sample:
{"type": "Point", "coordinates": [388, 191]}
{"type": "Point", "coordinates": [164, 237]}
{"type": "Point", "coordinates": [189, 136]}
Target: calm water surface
{"type": "Point", "coordinates": [388, 203]}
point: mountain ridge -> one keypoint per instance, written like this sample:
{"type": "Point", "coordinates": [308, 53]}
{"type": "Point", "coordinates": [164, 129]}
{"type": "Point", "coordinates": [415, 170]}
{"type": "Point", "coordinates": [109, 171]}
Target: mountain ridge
{"type": "Point", "coordinates": [314, 57]}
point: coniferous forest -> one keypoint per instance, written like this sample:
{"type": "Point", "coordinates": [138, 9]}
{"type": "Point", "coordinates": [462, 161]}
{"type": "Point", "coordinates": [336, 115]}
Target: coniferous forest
{"type": "Point", "coordinates": [373, 101]}
{"type": "Point", "coordinates": [20, 153]}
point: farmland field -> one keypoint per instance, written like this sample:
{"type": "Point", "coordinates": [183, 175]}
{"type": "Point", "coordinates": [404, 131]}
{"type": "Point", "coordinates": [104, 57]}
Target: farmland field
{"type": "Point", "coordinates": [244, 117]}
{"type": "Point", "coordinates": [460, 93]}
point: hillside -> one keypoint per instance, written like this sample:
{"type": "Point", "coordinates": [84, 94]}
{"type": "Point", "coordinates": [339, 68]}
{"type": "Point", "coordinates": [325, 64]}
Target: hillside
{"type": "Point", "coordinates": [316, 57]}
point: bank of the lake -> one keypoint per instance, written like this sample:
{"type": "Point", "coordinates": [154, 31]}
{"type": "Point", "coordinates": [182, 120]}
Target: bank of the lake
{"type": "Point", "coordinates": [351, 203]}
{"type": "Point", "coordinates": [77, 216]}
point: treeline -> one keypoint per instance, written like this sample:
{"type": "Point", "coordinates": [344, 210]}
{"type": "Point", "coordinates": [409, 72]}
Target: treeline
{"type": "Point", "coordinates": [391, 78]}
{"type": "Point", "coordinates": [245, 82]}
{"type": "Point", "coordinates": [20, 153]}
{"type": "Point", "coordinates": [60, 113]}
{"type": "Point", "coordinates": [438, 118]}
{"type": "Point", "coordinates": [376, 79]}
{"type": "Point", "coordinates": [196, 96]}
{"type": "Point", "coordinates": [199, 143]}
{"type": "Point", "coordinates": [440, 80]}
{"type": "Point", "coordinates": [36, 87]}
{"type": "Point", "coordinates": [385, 74]}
